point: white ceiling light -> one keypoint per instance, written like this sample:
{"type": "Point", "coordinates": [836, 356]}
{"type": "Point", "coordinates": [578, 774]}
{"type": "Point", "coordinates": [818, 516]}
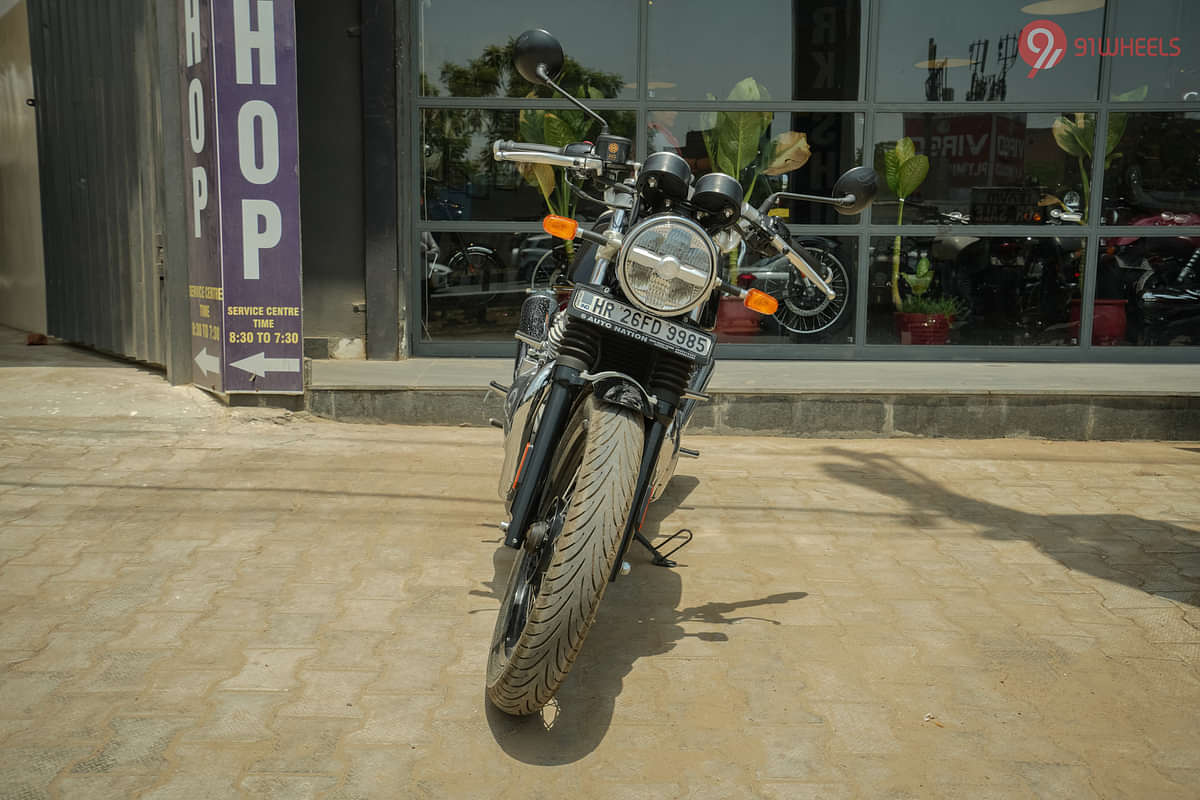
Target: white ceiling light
{"type": "Point", "coordinates": [1050, 8]}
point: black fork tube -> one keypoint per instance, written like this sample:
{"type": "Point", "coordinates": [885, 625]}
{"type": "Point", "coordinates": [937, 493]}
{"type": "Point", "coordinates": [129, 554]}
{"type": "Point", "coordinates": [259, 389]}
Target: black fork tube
{"type": "Point", "coordinates": [655, 437]}
{"type": "Point", "coordinates": [532, 475]}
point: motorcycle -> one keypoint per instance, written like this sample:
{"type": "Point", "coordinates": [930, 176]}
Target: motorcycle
{"type": "Point", "coordinates": [603, 387]}
{"type": "Point", "coordinates": [1159, 278]}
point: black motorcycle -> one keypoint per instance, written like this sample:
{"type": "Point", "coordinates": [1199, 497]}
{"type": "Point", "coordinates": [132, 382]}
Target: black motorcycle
{"type": "Point", "coordinates": [603, 386]}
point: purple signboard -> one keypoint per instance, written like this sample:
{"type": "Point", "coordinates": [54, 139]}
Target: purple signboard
{"type": "Point", "coordinates": [255, 187]}
{"type": "Point", "coordinates": [203, 214]}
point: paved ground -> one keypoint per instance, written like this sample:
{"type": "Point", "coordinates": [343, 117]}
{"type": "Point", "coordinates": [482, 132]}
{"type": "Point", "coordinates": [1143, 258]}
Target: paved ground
{"type": "Point", "coordinates": [203, 603]}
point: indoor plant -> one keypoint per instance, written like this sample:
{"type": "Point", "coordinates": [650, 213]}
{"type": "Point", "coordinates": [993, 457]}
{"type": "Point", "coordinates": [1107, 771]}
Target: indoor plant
{"type": "Point", "coordinates": [734, 143]}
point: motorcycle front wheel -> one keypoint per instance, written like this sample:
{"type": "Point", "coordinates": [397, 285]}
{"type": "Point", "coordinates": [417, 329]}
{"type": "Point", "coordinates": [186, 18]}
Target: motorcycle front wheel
{"type": "Point", "coordinates": [559, 576]}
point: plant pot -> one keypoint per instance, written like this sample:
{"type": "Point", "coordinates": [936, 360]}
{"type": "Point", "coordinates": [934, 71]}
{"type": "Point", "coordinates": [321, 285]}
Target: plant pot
{"type": "Point", "coordinates": [1108, 322]}
{"type": "Point", "coordinates": [923, 328]}
{"type": "Point", "coordinates": [734, 319]}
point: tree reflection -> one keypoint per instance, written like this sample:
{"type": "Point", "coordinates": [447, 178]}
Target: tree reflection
{"type": "Point", "coordinates": [492, 74]}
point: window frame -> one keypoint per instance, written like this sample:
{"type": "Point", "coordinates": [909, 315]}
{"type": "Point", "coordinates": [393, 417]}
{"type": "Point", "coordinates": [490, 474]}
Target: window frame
{"type": "Point", "coordinates": [411, 226]}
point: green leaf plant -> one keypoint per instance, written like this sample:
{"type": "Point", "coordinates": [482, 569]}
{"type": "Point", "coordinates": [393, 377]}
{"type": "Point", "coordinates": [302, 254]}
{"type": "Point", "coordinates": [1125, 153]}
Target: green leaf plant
{"type": "Point", "coordinates": [734, 142]}
{"type": "Point", "coordinates": [905, 172]}
{"type": "Point", "coordinates": [1075, 137]}
{"type": "Point", "coordinates": [557, 129]}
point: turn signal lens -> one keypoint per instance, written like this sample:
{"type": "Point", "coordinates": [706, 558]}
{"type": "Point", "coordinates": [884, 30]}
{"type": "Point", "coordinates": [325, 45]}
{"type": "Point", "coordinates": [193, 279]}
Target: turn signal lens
{"type": "Point", "coordinates": [560, 227]}
{"type": "Point", "coordinates": [760, 301]}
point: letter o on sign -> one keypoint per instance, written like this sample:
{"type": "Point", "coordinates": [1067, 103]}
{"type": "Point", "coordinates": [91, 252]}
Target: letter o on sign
{"type": "Point", "coordinates": [196, 115]}
{"type": "Point", "coordinates": [261, 111]}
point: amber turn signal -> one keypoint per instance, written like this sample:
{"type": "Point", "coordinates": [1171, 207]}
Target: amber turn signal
{"type": "Point", "coordinates": [761, 302]}
{"type": "Point", "coordinates": [560, 227]}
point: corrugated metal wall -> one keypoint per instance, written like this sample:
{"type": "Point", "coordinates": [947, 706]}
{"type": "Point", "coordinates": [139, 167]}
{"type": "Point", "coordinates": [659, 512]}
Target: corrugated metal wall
{"type": "Point", "coordinates": [100, 141]}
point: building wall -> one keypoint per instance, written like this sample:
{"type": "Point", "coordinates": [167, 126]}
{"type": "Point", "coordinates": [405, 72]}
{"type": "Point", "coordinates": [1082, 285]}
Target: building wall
{"type": "Point", "coordinates": [331, 174]}
{"type": "Point", "coordinates": [100, 112]}
{"type": "Point", "coordinates": [22, 266]}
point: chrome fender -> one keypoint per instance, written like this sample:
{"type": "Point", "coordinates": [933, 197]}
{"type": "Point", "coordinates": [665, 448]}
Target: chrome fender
{"type": "Point", "coordinates": [524, 398]}
{"type": "Point", "coordinates": [664, 468]}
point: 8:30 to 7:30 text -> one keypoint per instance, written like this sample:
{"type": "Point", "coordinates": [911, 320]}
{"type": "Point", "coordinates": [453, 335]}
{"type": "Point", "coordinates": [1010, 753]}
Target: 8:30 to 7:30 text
{"type": "Point", "coordinates": [264, 337]}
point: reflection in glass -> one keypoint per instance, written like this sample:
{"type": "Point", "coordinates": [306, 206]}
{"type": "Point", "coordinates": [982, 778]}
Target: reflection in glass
{"type": "Point", "coordinates": [1148, 291]}
{"type": "Point", "coordinates": [461, 180]}
{"type": "Point", "coordinates": [983, 291]}
{"type": "Point", "coordinates": [1154, 174]}
{"type": "Point", "coordinates": [931, 50]}
{"type": "Point", "coordinates": [802, 50]}
{"type": "Point", "coordinates": [805, 315]}
{"type": "Point", "coordinates": [992, 169]}
{"type": "Point", "coordinates": [1162, 61]}
{"type": "Point", "coordinates": [466, 47]}
{"type": "Point", "coordinates": [766, 152]}
{"type": "Point", "coordinates": [475, 282]}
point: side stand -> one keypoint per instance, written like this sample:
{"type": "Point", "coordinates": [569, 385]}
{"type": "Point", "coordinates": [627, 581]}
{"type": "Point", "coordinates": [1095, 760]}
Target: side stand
{"type": "Point", "coordinates": [663, 559]}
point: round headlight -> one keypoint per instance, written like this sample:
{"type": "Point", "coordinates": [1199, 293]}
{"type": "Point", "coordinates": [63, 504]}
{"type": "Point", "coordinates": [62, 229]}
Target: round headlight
{"type": "Point", "coordinates": [667, 265]}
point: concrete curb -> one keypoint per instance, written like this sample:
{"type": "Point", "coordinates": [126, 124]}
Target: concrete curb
{"type": "Point", "coordinates": [967, 415]}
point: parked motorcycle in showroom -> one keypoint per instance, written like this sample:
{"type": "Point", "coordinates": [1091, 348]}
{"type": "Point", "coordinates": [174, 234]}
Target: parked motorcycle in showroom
{"type": "Point", "coordinates": [603, 387]}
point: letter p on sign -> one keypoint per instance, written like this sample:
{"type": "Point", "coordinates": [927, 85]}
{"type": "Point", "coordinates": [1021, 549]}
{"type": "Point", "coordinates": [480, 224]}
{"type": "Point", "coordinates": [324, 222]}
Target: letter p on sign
{"type": "Point", "coordinates": [262, 228]}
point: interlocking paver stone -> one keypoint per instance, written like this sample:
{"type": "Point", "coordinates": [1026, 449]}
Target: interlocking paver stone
{"type": "Point", "coordinates": [198, 602]}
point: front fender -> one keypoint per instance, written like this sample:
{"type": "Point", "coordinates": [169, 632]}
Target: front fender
{"type": "Point", "coordinates": [619, 389]}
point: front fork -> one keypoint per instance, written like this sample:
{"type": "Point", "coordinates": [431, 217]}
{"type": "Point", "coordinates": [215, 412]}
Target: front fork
{"type": "Point", "coordinates": [531, 473]}
{"type": "Point", "coordinates": [656, 434]}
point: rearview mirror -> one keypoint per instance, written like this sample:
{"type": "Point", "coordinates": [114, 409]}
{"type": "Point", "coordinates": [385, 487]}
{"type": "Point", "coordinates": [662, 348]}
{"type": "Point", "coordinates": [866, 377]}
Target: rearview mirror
{"type": "Point", "coordinates": [863, 183]}
{"type": "Point", "coordinates": [536, 48]}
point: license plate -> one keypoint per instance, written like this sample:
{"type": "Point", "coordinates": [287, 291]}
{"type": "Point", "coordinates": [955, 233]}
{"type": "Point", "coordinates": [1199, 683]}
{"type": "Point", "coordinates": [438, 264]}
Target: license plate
{"type": "Point", "coordinates": [628, 321]}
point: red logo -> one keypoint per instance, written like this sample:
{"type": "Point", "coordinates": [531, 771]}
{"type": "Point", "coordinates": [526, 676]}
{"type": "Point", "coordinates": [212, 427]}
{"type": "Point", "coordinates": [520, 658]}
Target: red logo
{"type": "Point", "coordinates": [1043, 44]}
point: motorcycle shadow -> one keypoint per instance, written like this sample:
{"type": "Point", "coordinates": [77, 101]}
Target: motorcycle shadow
{"type": "Point", "coordinates": [1148, 555]}
{"type": "Point", "coordinates": [638, 618]}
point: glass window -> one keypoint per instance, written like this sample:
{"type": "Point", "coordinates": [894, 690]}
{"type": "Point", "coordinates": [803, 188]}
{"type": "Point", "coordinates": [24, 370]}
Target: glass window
{"type": "Point", "coordinates": [1148, 291]}
{"type": "Point", "coordinates": [995, 169]}
{"type": "Point", "coordinates": [1158, 57]}
{"type": "Point", "coordinates": [1153, 172]}
{"type": "Point", "coordinates": [932, 50]}
{"type": "Point", "coordinates": [475, 282]}
{"type": "Point", "coordinates": [466, 47]}
{"type": "Point", "coordinates": [805, 315]}
{"type": "Point", "coordinates": [798, 50]}
{"type": "Point", "coordinates": [766, 151]}
{"type": "Point", "coordinates": [968, 290]}
{"type": "Point", "coordinates": [461, 180]}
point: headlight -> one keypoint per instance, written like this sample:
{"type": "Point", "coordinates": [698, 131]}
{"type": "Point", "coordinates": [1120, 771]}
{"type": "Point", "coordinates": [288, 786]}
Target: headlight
{"type": "Point", "coordinates": [667, 265]}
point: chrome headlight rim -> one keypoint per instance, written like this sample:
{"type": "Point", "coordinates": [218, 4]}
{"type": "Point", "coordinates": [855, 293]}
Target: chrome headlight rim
{"type": "Point", "coordinates": [623, 261]}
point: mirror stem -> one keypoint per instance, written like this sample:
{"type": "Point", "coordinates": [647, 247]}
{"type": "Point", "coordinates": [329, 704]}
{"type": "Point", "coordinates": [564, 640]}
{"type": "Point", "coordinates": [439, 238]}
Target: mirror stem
{"type": "Point", "coordinates": [769, 203]}
{"type": "Point", "coordinates": [544, 75]}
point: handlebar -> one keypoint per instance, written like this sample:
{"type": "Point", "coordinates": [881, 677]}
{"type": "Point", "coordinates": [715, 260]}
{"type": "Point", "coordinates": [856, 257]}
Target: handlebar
{"type": "Point", "coordinates": [750, 214]}
{"type": "Point", "coordinates": [524, 152]}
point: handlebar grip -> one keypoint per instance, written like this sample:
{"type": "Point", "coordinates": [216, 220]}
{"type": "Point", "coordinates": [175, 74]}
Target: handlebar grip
{"type": "Point", "coordinates": [523, 152]}
{"type": "Point", "coordinates": [528, 147]}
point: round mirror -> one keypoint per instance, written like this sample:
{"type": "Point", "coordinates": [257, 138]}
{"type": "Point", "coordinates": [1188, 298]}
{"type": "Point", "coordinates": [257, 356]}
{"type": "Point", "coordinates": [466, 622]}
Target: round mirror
{"type": "Point", "coordinates": [863, 183]}
{"type": "Point", "coordinates": [536, 48]}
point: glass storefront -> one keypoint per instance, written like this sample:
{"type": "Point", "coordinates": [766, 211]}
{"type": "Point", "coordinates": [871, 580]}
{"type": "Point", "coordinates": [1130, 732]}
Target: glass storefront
{"type": "Point", "coordinates": [1059, 218]}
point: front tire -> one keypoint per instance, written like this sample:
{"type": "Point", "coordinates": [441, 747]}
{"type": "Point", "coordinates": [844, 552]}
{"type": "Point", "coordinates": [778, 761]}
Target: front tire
{"type": "Point", "coordinates": [559, 576]}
